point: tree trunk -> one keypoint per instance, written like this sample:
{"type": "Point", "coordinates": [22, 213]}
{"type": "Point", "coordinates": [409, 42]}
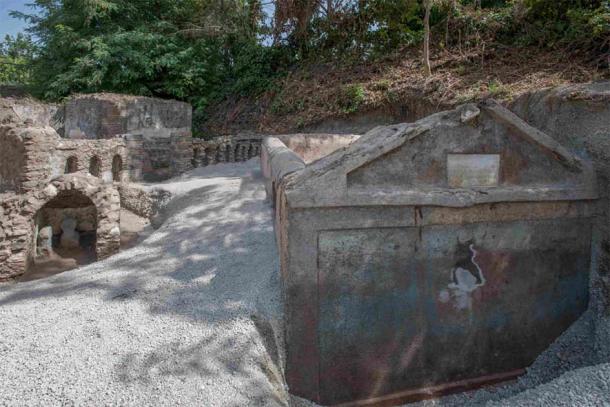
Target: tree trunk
{"type": "Point", "coordinates": [450, 10]}
{"type": "Point", "coordinates": [477, 4]}
{"type": "Point", "coordinates": [428, 69]}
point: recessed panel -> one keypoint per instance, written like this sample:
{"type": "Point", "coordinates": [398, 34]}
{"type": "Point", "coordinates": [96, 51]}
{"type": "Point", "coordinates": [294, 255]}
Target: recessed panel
{"type": "Point", "coordinates": [473, 170]}
{"type": "Point", "coordinates": [405, 308]}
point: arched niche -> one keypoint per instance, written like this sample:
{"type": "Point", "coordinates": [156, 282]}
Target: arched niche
{"type": "Point", "coordinates": [71, 165]}
{"type": "Point", "coordinates": [117, 168]}
{"type": "Point", "coordinates": [95, 166]}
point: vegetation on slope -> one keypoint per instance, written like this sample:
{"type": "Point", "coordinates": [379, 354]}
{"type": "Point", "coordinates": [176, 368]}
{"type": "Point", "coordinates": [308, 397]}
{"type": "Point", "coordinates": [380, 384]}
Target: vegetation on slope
{"type": "Point", "coordinates": [280, 64]}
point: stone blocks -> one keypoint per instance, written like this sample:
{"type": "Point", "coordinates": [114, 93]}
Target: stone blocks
{"type": "Point", "coordinates": [399, 282]}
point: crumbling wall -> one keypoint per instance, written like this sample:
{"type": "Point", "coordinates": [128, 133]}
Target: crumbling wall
{"type": "Point", "coordinates": [12, 160]}
{"type": "Point", "coordinates": [31, 157]}
{"type": "Point", "coordinates": [106, 115]}
{"type": "Point", "coordinates": [18, 215]}
{"type": "Point", "coordinates": [143, 202]}
{"type": "Point", "coordinates": [84, 151]}
{"type": "Point", "coordinates": [157, 131]}
{"type": "Point", "coordinates": [181, 152]}
{"type": "Point", "coordinates": [15, 236]}
{"type": "Point", "coordinates": [40, 145]}
{"type": "Point", "coordinates": [31, 112]}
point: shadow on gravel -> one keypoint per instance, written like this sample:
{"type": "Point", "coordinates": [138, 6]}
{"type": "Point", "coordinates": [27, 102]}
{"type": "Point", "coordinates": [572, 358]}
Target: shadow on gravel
{"type": "Point", "coordinates": [206, 360]}
{"type": "Point", "coordinates": [212, 262]}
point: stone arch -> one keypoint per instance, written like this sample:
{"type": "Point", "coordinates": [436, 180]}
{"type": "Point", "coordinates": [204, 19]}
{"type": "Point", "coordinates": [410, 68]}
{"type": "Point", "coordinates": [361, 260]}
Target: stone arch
{"type": "Point", "coordinates": [117, 168]}
{"type": "Point", "coordinates": [76, 190]}
{"type": "Point", "coordinates": [65, 230]}
{"type": "Point", "coordinates": [95, 166]}
{"type": "Point", "coordinates": [71, 165]}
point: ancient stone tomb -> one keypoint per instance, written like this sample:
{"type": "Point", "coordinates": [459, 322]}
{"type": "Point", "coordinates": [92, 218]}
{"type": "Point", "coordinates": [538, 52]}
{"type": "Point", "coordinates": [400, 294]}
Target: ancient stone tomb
{"type": "Point", "coordinates": [60, 202]}
{"type": "Point", "coordinates": [429, 257]}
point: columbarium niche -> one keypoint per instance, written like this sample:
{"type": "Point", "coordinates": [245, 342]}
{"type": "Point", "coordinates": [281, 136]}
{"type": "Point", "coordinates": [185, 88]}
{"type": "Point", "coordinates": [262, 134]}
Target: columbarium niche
{"type": "Point", "coordinates": [95, 166]}
{"type": "Point", "coordinates": [71, 165]}
{"type": "Point", "coordinates": [117, 168]}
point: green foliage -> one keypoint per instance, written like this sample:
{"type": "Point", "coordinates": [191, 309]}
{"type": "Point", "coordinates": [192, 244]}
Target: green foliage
{"type": "Point", "coordinates": [256, 66]}
{"type": "Point", "coordinates": [147, 47]}
{"type": "Point", "coordinates": [203, 51]}
{"type": "Point", "coordinates": [583, 24]}
{"type": "Point", "coordinates": [16, 53]}
{"type": "Point", "coordinates": [351, 97]}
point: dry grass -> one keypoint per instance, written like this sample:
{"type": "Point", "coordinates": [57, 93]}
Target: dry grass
{"type": "Point", "coordinates": [317, 92]}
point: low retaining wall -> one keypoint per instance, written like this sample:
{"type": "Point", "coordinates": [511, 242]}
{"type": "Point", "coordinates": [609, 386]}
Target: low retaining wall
{"type": "Point", "coordinates": [287, 153]}
{"type": "Point", "coordinates": [277, 161]}
{"type": "Point", "coordinates": [225, 150]}
{"type": "Point", "coordinates": [312, 147]}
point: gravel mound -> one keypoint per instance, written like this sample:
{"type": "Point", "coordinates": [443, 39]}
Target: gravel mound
{"type": "Point", "coordinates": [184, 318]}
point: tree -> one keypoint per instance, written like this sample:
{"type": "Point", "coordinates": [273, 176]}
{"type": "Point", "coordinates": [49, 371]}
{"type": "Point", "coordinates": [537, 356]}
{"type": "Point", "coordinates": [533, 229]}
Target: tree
{"type": "Point", "coordinates": [184, 49]}
{"type": "Point", "coordinates": [16, 56]}
{"type": "Point", "coordinates": [428, 8]}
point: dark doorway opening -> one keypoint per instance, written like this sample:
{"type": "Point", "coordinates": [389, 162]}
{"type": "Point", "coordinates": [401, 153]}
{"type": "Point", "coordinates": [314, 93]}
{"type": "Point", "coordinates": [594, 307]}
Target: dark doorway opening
{"type": "Point", "coordinates": [65, 235]}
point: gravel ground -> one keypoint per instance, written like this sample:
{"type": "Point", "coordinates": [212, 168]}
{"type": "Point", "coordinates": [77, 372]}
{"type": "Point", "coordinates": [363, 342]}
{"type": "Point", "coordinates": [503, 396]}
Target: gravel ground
{"type": "Point", "coordinates": [186, 317]}
{"type": "Point", "coordinates": [182, 319]}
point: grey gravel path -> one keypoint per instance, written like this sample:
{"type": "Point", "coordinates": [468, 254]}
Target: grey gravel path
{"type": "Point", "coordinates": [182, 319]}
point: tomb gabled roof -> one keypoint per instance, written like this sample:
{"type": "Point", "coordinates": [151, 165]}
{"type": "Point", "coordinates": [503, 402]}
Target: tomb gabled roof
{"type": "Point", "coordinates": [325, 182]}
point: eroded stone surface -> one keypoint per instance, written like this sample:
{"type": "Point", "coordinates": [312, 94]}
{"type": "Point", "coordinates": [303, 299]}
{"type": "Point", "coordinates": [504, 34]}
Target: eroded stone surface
{"type": "Point", "coordinates": [46, 179]}
{"type": "Point", "coordinates": [396, 277]}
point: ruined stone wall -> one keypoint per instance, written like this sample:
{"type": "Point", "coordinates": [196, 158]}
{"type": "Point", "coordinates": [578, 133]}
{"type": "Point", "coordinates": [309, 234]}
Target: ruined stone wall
{"type": "Point", "coordinates": [31, 156]}
{"type": "Point", "coordinates": [181, 152]}
{"type": "Point", "coordinates": [31, 112]}
{"type": "Point", "coordinates": [15, 236]}
{"type": "Point", "coordinates": [12, 159]}
{"type": "Point", "coordinates": [40, 146]}
{"type": "Point", "coordinates": [157, 131]}
{"type": "Point", "coordinates": [84, 151]}
{"type": "Point", "coordinates": [143, 202]}
{"type": "Point", "coordinates": [18, 213]}
{"type": "Point", "coordinates": [225, 150]}
{"type": "Point", "coordinates": [98, 116]}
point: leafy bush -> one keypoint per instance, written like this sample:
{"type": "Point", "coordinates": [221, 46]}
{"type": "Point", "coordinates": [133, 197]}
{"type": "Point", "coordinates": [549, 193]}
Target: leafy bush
{"type": "Point", "coordinates": [16, 54]}
{"type": "Point", "coordinates": [351, 98]}
{"type": "Point", "coordinates": [203, 51]}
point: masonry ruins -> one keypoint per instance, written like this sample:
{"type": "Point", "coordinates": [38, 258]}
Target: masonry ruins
{"type": "Point", "coordinates": [65, 172]}
{"type": "Point", "coordinates": [415, 260]}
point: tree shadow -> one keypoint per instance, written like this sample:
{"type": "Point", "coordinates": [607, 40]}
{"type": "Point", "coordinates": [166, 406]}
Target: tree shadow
{"type": "Point", "coordinates": [212, 263]}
